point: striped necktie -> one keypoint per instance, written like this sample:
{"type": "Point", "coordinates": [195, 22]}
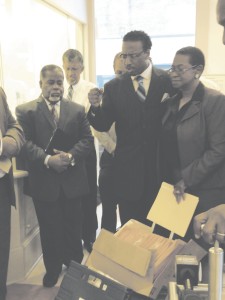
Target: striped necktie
{"type": "Point", "coordinates": [140, 90]}
{"type": "Point", "coordinates": [70, 93]}
{"type": "Point", "coordinates": [54, 113]}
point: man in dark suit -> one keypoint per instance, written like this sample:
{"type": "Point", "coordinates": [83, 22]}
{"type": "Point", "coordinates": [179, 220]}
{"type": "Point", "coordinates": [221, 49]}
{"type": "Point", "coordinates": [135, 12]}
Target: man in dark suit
{"type": "Point", "coordinates": [11, 140]}
{"type": "Point", "coordinates": [132, 101]}
{"type": "Point", "coordinates": [57, 182]}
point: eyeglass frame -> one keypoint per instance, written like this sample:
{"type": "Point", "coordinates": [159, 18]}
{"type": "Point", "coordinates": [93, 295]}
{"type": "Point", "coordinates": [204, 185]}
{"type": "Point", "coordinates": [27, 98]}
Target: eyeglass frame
{"type": "Point", "coordinates": [131, 55]}
{"type": "Point", "coordinates": [180, 72]}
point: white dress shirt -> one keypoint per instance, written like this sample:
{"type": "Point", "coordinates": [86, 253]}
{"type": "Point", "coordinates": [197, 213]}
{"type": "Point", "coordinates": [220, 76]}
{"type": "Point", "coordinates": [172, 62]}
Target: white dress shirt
{"type": "Point", "coordinates": [147, 75]}
{"type": "Point", "coordinates": [80, 92]}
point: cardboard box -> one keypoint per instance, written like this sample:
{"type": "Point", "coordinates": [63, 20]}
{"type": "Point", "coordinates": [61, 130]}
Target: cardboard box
{"type": "Point", "coordinates": [123, 262]}
{"type": "Point", "coordinates": [131, 257]}
{"type": "Point", "coordinates": [139, 259]}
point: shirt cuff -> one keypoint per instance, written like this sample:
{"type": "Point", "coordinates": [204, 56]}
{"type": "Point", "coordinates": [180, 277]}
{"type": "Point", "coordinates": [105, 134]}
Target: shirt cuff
{"type": "Point", "coordinates": [46, 161]}
{"type": "Point", "coordinates": [93, 110]}
{"type": "Point", "coordinates": [72, 160]}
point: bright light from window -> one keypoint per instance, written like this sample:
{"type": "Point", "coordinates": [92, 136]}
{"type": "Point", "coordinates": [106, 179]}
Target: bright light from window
{"type": "Point", "coordinates": [170, 24]}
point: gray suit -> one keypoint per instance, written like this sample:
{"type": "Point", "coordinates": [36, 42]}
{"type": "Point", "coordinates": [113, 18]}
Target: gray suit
{"type": "Point", "coordinates": [57, 196]}
{"type": "Point", "coordinates": [10, 128]}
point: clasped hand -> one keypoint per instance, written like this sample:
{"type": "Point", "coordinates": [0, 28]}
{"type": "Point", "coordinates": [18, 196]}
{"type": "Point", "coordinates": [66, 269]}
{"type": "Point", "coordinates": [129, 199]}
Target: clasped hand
{"type": "Point", "coordinates": [60, 161]}
{"type": "Point", "coordinates": [95, 96]}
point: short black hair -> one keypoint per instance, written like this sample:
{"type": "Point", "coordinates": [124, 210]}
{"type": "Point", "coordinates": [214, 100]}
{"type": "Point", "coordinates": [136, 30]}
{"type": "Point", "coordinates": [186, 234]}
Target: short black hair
{"type": "Point", "coordinates": [71, 54]}
{"type": "Point", "coordinates": [49, 68]}
{"type": "Point", "coordinates": [196, 56]}
{"type": "Point", "coordinates": [138, 35]}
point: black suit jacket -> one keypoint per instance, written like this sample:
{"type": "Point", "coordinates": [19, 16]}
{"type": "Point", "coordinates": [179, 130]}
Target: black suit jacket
{"type": "Point", "coordinates": [38, 125]}
{"type": "Point", "coordinates": [137, 127]}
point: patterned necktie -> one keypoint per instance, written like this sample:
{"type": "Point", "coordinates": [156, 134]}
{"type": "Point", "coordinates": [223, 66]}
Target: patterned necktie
{"type": "Point", "coordinates": [140, 90]}
{"type": "Point", "coordinates": [54, 113]}
{"type": "Point", "coordinates": [70, 93]}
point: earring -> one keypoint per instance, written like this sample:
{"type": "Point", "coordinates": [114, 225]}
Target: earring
{"type": "Point", "coordinates": [196, 76]}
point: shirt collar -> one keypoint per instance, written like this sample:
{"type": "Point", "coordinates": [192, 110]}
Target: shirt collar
{"type": "Point", "coordinates": [49, 103]}
{"type": "Point", "coordinates": [146, 74]}
{"type": "Point", "coordinates": [75, 86]}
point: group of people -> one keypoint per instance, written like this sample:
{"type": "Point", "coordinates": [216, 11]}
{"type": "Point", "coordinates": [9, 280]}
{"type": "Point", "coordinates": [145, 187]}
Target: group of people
{"type": "Point", "coordinates": [154, 126]}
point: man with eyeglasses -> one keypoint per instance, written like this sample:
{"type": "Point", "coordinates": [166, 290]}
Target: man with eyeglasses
{"type": "Point", "coordinates": [132, 101]}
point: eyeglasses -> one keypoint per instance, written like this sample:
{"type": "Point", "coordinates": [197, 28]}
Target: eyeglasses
{"type": "Point", "coordinates": [131, 55]}
{"type": "Point", "coordinates": [180, 70]}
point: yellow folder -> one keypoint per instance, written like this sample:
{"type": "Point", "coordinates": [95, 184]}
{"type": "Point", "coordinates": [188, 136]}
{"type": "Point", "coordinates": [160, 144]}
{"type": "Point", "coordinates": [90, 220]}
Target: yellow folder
{"type": "Point", "coordinates": [171, 215]}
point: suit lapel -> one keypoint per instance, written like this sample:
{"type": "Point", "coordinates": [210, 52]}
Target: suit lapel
{"type": "Point", "coordinates": [128, 87]}
{"type": "Point", "coordinates": [64, 111]}
{"type": "Point", "coordinates": [192, 110]}
{"type": "Point", "coordinates": [153, 90]}
{"type": "Point", "coordinates": [154, 87]}
{"type": "Point", "coordinates": [45, 111]}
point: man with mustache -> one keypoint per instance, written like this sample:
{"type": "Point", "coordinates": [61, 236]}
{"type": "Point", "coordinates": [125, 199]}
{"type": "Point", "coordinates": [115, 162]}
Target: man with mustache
{"type": "Point", "coordinates": [58, 180]}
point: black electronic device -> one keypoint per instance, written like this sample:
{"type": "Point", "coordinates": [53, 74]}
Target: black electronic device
{"type": "Point", "coordinates": [187, 286]}
{"type": "Point", "coordinates": [60, 141]}
{"type": "Point", "coordinates": [81, 283]}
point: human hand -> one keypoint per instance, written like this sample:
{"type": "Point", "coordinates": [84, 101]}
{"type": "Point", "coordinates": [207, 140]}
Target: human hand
{"type": "Point", "coordinates": [9, 146]}
{"type": "Point", "coordinates": [211, 225]}
{"type": "Point", "coordinates": [178, 191]}
{"type": "Point", "coordinates": [60, 161]}
{"type": "Point", "coordinates": [95, 96]}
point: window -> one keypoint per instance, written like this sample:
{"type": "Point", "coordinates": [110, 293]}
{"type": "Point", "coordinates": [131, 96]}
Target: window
{"type": "Point", "coordinates": [37, 34]}
{"type": "Point", "coordinates": [170, 24]}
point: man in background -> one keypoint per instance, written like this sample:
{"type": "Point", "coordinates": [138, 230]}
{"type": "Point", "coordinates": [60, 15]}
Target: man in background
{"type": "Point", "coordinates": [132, 101]}
{"type": "Point", "coordinates": [57, 179]}
{"type": "Point", "coordinates": [211, 224]}
{"type": "Point", "coordinates": [78, 90]}
{"type": "Point", "coordinates": [106, 186]}
{"type": "Point", "coordinates": [11, 141]}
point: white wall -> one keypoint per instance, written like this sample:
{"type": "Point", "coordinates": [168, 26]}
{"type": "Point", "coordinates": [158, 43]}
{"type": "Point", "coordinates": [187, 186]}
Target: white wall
{"type": "Point", "coordinates": [209, 37]}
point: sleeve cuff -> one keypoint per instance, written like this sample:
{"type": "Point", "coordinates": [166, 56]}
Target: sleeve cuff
{"type": "Point", "coordinates": [46, 161]}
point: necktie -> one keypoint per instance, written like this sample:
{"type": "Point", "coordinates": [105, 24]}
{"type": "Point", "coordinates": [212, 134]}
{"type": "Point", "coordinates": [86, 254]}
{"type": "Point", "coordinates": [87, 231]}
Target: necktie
{"type": "Point", "coordinates": [141, 90]}
{"type": "Point", "coordinates": [54, 113]}
{"type": "Point", "coordinates": [70, 93]}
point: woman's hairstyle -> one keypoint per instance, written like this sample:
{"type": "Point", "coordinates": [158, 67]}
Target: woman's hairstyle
{"type": "Point", "coordinates": [196, 56]}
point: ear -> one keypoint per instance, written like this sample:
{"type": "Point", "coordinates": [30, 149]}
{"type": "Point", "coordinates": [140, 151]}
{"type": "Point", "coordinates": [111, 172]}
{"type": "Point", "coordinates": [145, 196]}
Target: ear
{"type": "Point", "coordinates": [199, 69]}
{"type": "Point", "coordinates": [148, 52]}
{"type": "Point", "coordinates": [40, 84]}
